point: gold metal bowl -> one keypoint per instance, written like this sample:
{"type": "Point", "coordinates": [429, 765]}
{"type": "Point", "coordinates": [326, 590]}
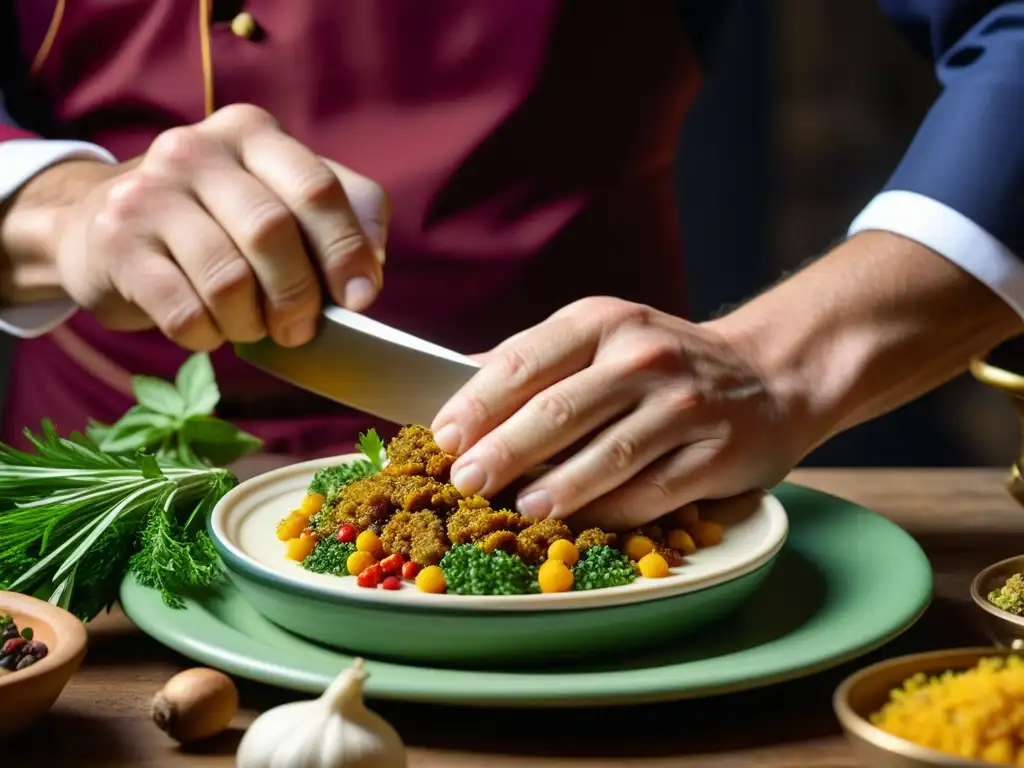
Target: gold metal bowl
{"type": "Point", "coordinates": [1004, 629]}
{"type": "Point", "coordinates": [1011, 384]}
{"type": "Point", "coordinates": [866, 691]}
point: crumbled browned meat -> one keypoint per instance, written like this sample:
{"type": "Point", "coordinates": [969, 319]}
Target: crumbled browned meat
{"type": "Point", "coordinates": [594, 537]}
{"type": "Point", "coordinates": [505, 540]}
{"type": "Point", "coordinates": [672, 556]}
{"type": "Point", "coordinates": [534, 541]}
{"type": "Point", "coordinates": [414, 452]}
{"type": "Point", "coordinates": [419, 536]}
{"type": "Point", "coordinates": [364, 502]}
{"type": "Point", "coordinates": [474, 520]}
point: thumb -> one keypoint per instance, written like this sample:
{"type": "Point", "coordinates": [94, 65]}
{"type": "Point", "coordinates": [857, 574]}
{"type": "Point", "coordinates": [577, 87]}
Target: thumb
{"type": "Point", "coordinates": [369, 202]}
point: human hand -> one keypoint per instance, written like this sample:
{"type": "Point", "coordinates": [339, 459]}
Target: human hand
{"type": "Point", "coordinates": [674, 411]}
{"type": "Point", "coordinates": [221, 231]}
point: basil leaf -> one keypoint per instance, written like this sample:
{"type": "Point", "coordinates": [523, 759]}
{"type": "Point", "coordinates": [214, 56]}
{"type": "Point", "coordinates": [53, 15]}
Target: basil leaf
{"type": "Point", "coordinates": [158, 395]}
{"type": "Point", "coordinates": [137, 430]}
{"type": "Point", "coordinates": [197, 385]}
{"type": "Point", "coordinates": [218, 441]}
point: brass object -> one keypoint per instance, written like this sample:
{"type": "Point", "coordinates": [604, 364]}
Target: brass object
{"type": "Point", "coordinates": [866, 691]}
{"type": "Point", "coordinates": [1003, 628]}
{"type": "Point", "coordinates": [1013, 385]}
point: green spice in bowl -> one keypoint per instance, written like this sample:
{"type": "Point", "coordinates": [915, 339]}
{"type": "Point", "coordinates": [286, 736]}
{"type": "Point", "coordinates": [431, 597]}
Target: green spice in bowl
{"type": "Point", "coordinates": [998, 591]}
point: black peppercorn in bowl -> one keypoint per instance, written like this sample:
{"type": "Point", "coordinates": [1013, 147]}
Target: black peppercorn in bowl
{"type": "Point", "coordinates": [43, 646]}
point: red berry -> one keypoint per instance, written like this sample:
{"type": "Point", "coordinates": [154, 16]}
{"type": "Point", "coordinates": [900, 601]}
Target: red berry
{"type": "Point", "coordinates": [410, 569]}
{"type": "Point", "coordinates": [347, 533]}
{"type": "Point", "coordinates": [12, 645]}
{"type": "Point", "coordinates": [392, 564]}
{"type": "Point", "coordinates": [371, 576]}
{"type": "Point", "coordinates": [391, 582]}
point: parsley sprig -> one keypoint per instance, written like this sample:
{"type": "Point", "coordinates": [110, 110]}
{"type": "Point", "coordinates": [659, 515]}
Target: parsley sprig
{"type": "Point", "coordinates": [79, 512]}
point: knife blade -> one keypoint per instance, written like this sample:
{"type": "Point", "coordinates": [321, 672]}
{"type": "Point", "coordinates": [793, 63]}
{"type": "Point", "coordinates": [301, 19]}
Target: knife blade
{"type": "Point", "coordinates": [367, 365]}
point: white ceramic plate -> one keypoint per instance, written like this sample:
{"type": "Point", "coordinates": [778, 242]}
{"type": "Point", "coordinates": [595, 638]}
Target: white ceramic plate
{"type": "Point", "coordinates": [244, 523]}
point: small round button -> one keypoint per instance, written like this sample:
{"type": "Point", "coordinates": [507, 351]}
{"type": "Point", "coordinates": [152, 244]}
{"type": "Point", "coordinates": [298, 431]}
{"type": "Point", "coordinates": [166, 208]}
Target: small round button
{"type": "Point", "coordinates": [244, 25]}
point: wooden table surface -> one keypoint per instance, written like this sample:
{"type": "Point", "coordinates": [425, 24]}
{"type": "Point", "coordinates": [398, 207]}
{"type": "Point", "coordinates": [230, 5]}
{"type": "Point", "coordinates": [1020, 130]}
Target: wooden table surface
{"type": "Point", "coordinates": [962, 518]}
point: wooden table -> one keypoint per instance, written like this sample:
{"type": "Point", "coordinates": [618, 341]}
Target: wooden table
{"type": "Point", "coordinates": [962, 518]}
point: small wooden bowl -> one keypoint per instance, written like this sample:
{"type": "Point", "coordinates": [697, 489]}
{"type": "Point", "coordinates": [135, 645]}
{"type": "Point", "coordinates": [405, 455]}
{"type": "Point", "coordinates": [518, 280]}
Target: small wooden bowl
{"type": "Point", "coordinates": [1004, 629]}
{"type": "Point", "coordinates": [866, 691]}
{"type": "Point", "coordinates": [28, 694]}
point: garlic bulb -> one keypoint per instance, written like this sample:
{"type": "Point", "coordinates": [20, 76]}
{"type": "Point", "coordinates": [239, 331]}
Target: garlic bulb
{"type": "Point", "coordinates": [334, 731]}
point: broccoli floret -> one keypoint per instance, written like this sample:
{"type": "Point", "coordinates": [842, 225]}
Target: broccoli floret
{"type": "Point", "coordinates": [601, 567]}
{"type": "Point", "coordinates": [1010, 596]}
{"type": "Point", "coordinates": [329, 480]}
{"type": "Point", "coordinates": [329, 556]}
{"type": "Point", "coordinates": [468, 570]}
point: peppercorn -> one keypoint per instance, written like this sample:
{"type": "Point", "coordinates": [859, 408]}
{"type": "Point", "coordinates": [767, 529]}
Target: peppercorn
{"type": "Point", "coordinates": [410, 569]}
{"type": "Point", "coordinates": [391, 582]}
{"type": "Point", "coordinates": [347, 533]}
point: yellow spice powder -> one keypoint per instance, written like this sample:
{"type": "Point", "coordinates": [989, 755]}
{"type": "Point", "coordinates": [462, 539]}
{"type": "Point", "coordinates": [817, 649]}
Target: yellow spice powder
{"type": "Point", "coordinates": [977, 714]}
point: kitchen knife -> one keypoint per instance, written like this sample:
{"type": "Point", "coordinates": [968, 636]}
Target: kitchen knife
{"type": "Point", "coordinates": [369, 366]}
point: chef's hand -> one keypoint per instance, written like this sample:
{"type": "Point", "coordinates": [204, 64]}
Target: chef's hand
{"type": "Point", "coordinates": [221, 231]}
{"type": "Point", "coordinates": [674, 412]}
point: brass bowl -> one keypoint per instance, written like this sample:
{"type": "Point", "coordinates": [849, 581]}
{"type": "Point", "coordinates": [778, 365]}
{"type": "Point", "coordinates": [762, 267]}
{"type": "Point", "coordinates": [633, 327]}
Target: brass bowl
{"type": "Point", "coordinates": [1004, 629]}
{"type": "Point", "coordinates": [1011, 384]}
{"type": "Point", "coordinates": [866, 691]}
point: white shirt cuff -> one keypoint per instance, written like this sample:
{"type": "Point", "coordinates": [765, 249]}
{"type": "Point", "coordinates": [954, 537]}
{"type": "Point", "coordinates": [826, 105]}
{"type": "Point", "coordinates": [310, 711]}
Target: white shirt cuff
{"type": "Point", "coordinates": [950, 234]}
{"type": "Point", "coordinates": [20, 160]}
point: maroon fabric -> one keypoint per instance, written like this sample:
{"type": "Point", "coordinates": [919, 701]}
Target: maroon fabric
{"type": "Point", "coordinates": [527, 147]}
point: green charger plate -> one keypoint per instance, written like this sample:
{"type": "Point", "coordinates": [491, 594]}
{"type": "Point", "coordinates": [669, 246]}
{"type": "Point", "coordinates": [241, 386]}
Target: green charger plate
{"type": "Point", "coordinates": [847, 582]}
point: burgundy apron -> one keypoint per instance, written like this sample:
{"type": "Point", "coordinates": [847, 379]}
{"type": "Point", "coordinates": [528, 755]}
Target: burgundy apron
{"type": "Point", "coordinates": [527, 146]}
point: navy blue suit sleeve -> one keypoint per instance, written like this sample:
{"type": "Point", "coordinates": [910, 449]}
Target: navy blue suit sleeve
{"type": "Point", "coordinates": [969, 151]}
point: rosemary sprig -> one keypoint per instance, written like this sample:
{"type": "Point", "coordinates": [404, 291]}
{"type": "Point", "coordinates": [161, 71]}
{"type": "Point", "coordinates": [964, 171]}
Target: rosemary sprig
{"type": "Point", "coordinates": [74, 519]}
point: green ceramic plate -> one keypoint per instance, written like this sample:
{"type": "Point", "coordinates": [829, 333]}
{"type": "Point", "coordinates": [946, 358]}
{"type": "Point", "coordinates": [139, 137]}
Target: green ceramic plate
{"type": "Point", "coordinates": [847, 582]}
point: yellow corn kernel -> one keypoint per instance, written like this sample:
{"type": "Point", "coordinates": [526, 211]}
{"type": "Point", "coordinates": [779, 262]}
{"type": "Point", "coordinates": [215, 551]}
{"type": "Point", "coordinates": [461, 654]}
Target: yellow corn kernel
{"type": "Point", "coordinates": [431, 579]}
{"type": "Point", "coordinates": [358, 562]}
{"type": "Point", "coordinates": [636, 546]}
{"type": "Point", "coordinates": [311, 504]}
{"type": "Point", "coordinates": [653, 566]}
{"type": "Point", "coordinates": [679, 539]}
{"type": "Point", "coordinates": [292, 526]}
{"type": "Point", "coordinates": [298, 549]}
{"type": "Point", "coordinates": [564, 550]}
{"type": "Point", "coordinates": [554, 576]}
{"type": "Point", "coordinates": [368, 541]}
{"type": "Point", "coordinates": [706, 533]}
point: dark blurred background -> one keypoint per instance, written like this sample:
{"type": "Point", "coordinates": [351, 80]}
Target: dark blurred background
{"type": "Point", "coordinates": [807, 114]}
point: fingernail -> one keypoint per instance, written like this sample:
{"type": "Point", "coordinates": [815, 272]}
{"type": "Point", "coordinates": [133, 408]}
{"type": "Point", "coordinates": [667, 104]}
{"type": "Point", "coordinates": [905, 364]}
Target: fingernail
{"type": "Point", "coordinates": [299, 333]}
{"type": "Point", "coordinates": [448, 438]}
{"type": "Point", "coordinates": [535, 504]}
{"type": "Point", "coordinates": [359, 293]}
{"type": "Point", "coordinates": [469, 479]}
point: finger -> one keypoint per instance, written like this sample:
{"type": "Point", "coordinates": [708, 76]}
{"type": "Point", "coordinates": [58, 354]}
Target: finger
{"type": "Point", "coordinates": [549, 422]}
{"type": "Point", "coordinates": [616, 455]}
{"type": "Point", "coordinates": [219, 273]}
{"type": "Point", "coordinates": [371, 204]}
{"type": "Point", "coordinates": [149, 279]}
{"type": "Point", "coordinates": [259, 223]}
{"type": "Point", "coordinates": [314, 194]}
{"type": "Point", "coordinates": [666, 485]}
{"type": "Point", "coordinates": [516, 371]}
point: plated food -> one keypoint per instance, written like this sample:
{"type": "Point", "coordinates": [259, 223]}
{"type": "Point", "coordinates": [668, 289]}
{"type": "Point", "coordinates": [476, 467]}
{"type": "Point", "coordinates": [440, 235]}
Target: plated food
{"type": "Point", "coordinates": [396, 518]}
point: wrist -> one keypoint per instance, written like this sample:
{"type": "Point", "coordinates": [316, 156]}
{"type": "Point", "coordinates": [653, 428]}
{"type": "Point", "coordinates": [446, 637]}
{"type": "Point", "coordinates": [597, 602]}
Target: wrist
{"type": "Point", "coordinates": [872, 325]}
{"type": "Point", "coordinates": [33, 221]}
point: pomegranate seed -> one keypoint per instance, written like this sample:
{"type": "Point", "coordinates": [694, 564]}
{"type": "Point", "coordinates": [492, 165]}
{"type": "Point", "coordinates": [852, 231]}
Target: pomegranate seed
{"type": "Point", "coordinates": [347, 533]}
{"type": "Point", "coordinates": [410, 569]}
{"type": "Point", "coordinates": [12, 645]}
{"type": "Point", "coordinates": [392, 564]}
{"type": "Point", "coordinates": [371, 576]}
{"type": "Point", "coordinates": [391, 582]}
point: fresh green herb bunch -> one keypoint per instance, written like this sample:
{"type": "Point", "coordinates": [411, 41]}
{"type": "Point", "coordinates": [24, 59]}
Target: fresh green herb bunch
{"type": "Point", "coordinates": [468, 570]}
{"type": "Point", "coordinates": [74, 519]}
{"type": "Point", "coordinates": [601, 567]}
{"type": "Point", "coordinates": [329, 556]}
{"type": "Point", "coordinates": [176, 422]}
